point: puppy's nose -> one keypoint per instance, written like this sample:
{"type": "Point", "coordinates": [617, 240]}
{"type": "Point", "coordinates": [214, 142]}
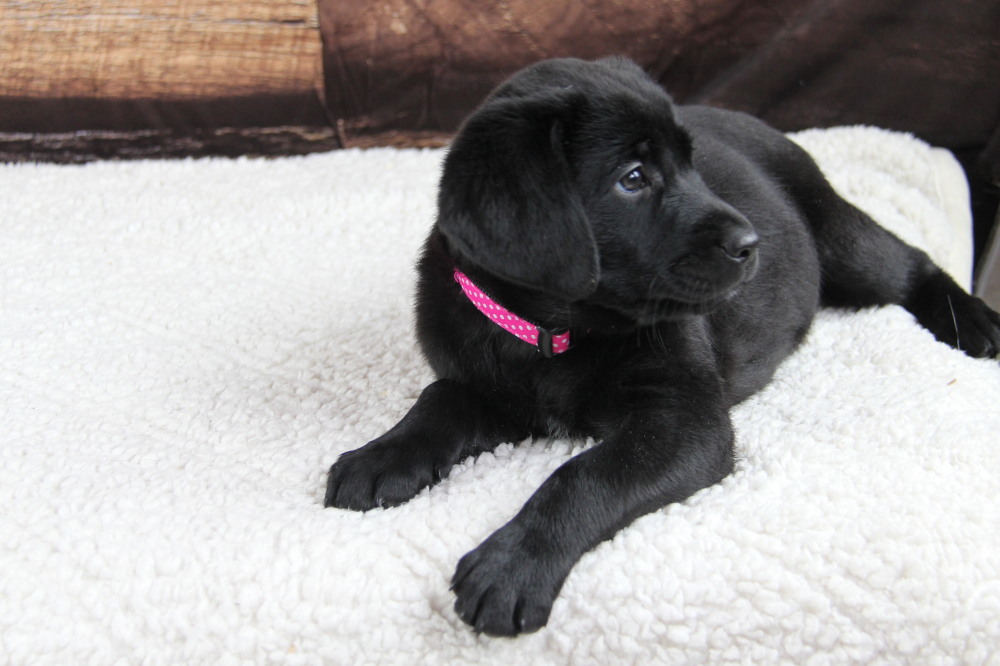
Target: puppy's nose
{"type": "Point", "coordinates": [740, 244]}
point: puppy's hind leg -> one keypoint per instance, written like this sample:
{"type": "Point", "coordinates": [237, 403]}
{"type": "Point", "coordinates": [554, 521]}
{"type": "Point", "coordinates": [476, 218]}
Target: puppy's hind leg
{"type": "Point", "coordinates": [448, 423]}
{"type": "Point", "coordinates": [954, 317]}
{"type": "Point", "coordinates": [865, 265]}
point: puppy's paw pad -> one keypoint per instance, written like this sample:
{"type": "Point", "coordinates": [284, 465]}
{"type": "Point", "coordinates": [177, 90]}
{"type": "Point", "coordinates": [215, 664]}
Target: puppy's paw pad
{"type": "Point", "coordinates": [350, 483]}
{"type": "Point", "coordinates": [500, 590]}
{"type": "Point", "coordinates": [956, 318]}
{"type": "Point", "coordinates": [380, 474]}
{"type": "Point", "coordinates": [975, 327]}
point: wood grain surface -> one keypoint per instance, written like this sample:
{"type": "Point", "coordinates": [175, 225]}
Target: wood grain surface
{"type": "Point", "coordinates": [154, 49]}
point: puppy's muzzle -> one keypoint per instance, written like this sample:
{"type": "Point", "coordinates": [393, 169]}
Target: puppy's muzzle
{"type": "Point", "coordinates": [725, 241]}
{"type": "Point", "coordinates": [721, 253]}
{"type": "Point", "coordinates": [738, 241]}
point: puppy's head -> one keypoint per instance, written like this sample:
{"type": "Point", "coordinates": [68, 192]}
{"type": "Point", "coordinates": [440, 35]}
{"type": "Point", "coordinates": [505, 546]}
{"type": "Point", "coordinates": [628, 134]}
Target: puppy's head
{"type": "Point", "coordinates": [574, 179]}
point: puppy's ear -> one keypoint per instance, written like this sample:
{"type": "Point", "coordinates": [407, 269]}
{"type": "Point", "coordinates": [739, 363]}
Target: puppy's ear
{"type": "Point", "coordinates": [508, 199]}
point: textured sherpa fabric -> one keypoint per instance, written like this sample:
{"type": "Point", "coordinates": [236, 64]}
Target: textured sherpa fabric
{"type": "Point", "coordinates": [186, 347]}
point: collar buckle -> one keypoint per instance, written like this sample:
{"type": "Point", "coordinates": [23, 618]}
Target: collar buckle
{"type": "Point", "coordinates": [545, 342]}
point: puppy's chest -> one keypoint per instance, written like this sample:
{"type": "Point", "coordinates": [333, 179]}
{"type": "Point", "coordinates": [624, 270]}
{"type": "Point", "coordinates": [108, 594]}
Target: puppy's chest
{"type": "Point", "coordinates": [559, 413]}
{"type": "Point", "coordinates": [570, 400]}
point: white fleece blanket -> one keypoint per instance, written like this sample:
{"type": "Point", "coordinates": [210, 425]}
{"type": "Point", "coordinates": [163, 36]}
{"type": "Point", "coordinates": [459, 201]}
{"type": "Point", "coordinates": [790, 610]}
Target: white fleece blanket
{"type": "Point", "coordinates": [185, 348]}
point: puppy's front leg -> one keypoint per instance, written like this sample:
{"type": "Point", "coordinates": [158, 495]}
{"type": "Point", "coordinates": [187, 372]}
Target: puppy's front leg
{"type": "Point", "coordinates": [448, 423]}
{"type": "Point", "coordinates": [507, 585]}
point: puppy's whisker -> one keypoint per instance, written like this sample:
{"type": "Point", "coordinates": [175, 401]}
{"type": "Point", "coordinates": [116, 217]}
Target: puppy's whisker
{"type": "Point", "coordinates": [954, 322]}
{"type": "Point", "coordinates": [649, 305]}
{"type": "Point", "coordinates": [652, 286]}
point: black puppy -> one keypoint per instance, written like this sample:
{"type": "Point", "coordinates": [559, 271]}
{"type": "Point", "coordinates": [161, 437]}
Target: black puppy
{"type": "Point", "coordinates": [651, 266]}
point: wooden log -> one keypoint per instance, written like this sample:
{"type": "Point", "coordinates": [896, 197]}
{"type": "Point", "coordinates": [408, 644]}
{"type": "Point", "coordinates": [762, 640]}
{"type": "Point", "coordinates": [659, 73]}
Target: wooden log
{"type": "Point", "coordinates": [154, 49]}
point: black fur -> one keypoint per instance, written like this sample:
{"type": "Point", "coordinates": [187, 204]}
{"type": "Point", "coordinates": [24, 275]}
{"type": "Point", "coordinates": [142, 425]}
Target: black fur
{"type": "Point", "coordinates": [683, 285]}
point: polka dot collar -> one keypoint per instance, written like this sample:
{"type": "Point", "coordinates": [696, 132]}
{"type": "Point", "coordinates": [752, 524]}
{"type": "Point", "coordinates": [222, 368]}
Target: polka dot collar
{"type": "Point", "coordinates": [547, 342]}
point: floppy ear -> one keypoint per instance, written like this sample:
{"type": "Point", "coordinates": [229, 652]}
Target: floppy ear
{"type": "Point", "coordinates": [508, 200]}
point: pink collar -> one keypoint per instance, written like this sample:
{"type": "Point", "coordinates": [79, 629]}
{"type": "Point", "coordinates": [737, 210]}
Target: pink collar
{"type": "Point", "coordinates": [547, 342]}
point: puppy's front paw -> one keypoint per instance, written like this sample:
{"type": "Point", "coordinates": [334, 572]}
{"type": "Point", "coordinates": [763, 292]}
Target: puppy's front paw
{"type": "Point", "coordinates": [382, 473]}
{"type": "Point", "coordinates": [504, 587]}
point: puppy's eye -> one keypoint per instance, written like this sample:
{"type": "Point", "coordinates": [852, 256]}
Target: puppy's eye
{"type": "Point", "coordinates": [633, 181]}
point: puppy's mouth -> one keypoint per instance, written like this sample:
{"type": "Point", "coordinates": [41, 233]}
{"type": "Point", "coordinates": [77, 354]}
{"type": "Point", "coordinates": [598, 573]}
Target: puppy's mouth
{"type": "Point", "coordinates": [652, 312]}
{"type": "Point", "coordinates": [694, 289]}
{"type": "Point", "coordinates": [679, 293]}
